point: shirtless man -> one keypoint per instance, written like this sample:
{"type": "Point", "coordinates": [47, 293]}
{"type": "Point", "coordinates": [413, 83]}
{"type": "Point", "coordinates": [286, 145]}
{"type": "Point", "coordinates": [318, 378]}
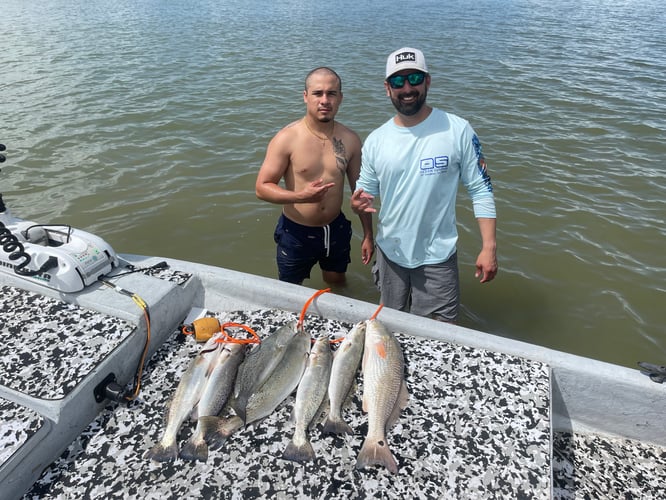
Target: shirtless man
{"type": "Point", "coordinates": [313, 155]}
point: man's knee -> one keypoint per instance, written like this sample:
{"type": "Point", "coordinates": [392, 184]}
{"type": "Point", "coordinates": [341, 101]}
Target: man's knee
{"type": "Point", "coordinates": [334, 278]}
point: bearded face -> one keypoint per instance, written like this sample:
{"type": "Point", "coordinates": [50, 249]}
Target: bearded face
{"type": "Point", "coordinates": [409, 101]}
{"type": "Point", "coordinates": [408, 91]}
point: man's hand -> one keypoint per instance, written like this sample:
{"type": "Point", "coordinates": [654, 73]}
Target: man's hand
{"type": "Point", "coordinates": [486, 265]}
{"type": "Point", "coordinates": [367, 249]}
{"type": "Point", "coordinates": [315, 191]}
{"type": "Point", "coordinates": [361, 202]}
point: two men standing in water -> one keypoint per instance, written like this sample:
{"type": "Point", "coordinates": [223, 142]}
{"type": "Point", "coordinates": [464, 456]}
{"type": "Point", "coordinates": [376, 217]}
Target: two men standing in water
{"type": "Point", "coordinates": [413, 162]}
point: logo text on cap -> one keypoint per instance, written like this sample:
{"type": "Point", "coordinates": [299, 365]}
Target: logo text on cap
{"type": "Point", "coordinates": [405, 56]}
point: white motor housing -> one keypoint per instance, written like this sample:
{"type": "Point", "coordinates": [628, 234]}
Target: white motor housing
{"type": "Point", "coordinates": [71, 259]}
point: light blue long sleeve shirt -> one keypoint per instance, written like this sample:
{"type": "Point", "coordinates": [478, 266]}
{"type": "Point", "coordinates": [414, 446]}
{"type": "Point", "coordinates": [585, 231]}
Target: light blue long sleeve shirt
{"type": "Point", "coordinates": [415, 171]}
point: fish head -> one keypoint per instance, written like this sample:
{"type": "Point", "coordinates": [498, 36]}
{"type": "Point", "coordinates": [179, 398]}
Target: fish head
{"type": "Point", "coordinates": [375, 329]}
{"type": "Point", "coordinates": [235, 349]}
{"type": "Point", "coordinates": [357, 332]}
{"type": "Point", "coordinates": [321, 348]}
{"type": "Point", "coordinates": [377, 339]}
{"type": "Point", "coordinates": [212, 343]}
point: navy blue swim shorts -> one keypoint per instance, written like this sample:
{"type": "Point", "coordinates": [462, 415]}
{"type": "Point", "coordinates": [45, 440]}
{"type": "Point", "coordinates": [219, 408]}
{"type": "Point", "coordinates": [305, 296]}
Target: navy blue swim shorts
{"type": "Point", "coordinates": [300, 247]}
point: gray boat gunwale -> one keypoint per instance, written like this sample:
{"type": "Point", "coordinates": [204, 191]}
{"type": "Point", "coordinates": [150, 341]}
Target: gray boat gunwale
{"type": "Point", "coordinates": [588, 395]}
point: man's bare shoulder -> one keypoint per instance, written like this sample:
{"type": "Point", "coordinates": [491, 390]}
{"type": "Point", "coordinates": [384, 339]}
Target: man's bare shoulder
{"type": "Point", "coordinates": [348, 135]}
{"type": "Point", "coordinates": [287, 134]}
{"type": "Point", "coordinates": [289, 129]}
{"type": "Point", "coordinates": [345, 129]}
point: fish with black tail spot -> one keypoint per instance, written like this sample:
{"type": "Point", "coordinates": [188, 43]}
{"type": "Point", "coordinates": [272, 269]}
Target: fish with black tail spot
{"type": "Point", "coordinates": [385, 394]}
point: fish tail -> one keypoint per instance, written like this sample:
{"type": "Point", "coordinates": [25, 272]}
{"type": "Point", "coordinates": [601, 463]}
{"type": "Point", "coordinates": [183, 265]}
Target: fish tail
{"type": "Point", "coordinates": [195, 449]}
{"type": "Point", "coordinates": [162, 452]}
{"type": "Point", "coordinates": [299, 453]}
{"type": "Point", "coordinates": [216, 430]}
{"type": "Point", "coordinates": [376, 452]}
{"type": "Point", "coordinates": [336, 426]}
{"type": "Point", "coordinates": [239, 406]}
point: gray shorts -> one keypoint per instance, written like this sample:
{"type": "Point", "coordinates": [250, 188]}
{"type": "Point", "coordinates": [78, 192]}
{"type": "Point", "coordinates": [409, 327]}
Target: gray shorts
{"type": "Point", "coordinates": [431, 290]}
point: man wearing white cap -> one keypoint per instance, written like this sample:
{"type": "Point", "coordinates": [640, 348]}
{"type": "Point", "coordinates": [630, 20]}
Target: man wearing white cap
{"type": "Point", "coordinates": [414, 163]}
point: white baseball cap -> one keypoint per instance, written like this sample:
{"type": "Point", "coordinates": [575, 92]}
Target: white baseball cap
{"type": "Point", "coordinates": [405, 58]}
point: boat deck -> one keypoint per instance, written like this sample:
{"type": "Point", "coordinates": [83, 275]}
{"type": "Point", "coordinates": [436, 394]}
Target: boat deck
{"type": "Point", "coordinates": [478, 425]}
{"type": "Point", "coordinates": [598, 466]}
{"type": "Point", "coordinates": [50, 346]}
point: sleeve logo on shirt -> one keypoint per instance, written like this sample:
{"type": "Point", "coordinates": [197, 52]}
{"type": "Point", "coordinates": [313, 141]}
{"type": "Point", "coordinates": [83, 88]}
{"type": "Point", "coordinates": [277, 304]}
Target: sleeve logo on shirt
{"type": "Point", "coordinates": [436, 165]}
{"type": "Point", "coordinates": [481, 163]}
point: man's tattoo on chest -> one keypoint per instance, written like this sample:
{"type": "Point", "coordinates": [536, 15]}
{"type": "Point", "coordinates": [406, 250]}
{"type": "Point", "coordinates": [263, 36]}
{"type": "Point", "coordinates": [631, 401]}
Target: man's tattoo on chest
{"type": "Point", "coordinates": [340, 154]}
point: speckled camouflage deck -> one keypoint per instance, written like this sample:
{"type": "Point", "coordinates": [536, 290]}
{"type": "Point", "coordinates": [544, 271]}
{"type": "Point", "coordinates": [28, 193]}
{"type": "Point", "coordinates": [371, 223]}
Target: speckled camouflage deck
{"type": "Point", "coordinates": [17, 425]}
{"type": "Point", "coordinates": [477, 426]}
{"type": "Point", "coordinates": [48, 346]}
{"type": "Point", "coordinates": [596, 466]}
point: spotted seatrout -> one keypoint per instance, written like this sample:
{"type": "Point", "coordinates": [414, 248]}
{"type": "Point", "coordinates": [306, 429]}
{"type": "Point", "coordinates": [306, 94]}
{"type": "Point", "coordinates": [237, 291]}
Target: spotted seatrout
{"type": "Point", "coordinates": [218, 387]}
{"type": "Point", "coordinates": [346, 362]}
{"type": "Point", "coordinates": [384, 394]}
{"type": "Point", "coordinates": [310, 394]}
{"type": "Point", "coordinates": [281, 382]}
{"type": "Point", "coordinates": [187, 395]}
{"type": "Point", "coordinates": [258, 365]}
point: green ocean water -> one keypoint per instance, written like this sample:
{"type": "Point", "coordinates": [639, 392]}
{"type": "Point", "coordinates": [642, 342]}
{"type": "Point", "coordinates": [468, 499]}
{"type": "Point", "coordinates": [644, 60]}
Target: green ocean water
{"type": "Point", "coordinates": [145, 122]}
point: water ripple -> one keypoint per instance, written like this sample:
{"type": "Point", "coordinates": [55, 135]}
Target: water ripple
{"type": "Point", "coordinates": [146, 123]}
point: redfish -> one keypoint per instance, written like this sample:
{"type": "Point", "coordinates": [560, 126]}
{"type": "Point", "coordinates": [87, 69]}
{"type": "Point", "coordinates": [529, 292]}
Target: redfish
{"type": "Point", "coordinates": [384, 394]}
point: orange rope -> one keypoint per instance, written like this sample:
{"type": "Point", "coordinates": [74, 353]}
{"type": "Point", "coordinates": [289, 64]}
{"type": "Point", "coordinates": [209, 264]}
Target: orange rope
{"type": "Point", "coordinates": [374, 316]}
{"type": "Point", "coordinates": [228, 338]}
{"type": "Point", "coordinates": [307, 304]}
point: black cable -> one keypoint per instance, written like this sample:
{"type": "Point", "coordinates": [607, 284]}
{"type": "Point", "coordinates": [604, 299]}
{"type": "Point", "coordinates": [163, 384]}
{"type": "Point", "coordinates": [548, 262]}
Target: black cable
{"type": "Point", "coordinates": [159, 265]}
{"type": "Point", "coordinates": [11, 245]}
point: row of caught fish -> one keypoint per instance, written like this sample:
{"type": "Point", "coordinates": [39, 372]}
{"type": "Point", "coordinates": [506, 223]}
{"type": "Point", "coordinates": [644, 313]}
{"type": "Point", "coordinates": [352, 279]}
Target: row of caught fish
{"type": "Point", "coordinates": [254, 382]}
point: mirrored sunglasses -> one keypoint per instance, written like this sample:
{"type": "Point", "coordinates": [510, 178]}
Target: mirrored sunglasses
{"type": "Point", "coordinates": [398, 81]}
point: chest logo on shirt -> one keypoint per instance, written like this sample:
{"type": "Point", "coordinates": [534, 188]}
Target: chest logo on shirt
{"type": "Point", "coordinates": [432, 166]}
